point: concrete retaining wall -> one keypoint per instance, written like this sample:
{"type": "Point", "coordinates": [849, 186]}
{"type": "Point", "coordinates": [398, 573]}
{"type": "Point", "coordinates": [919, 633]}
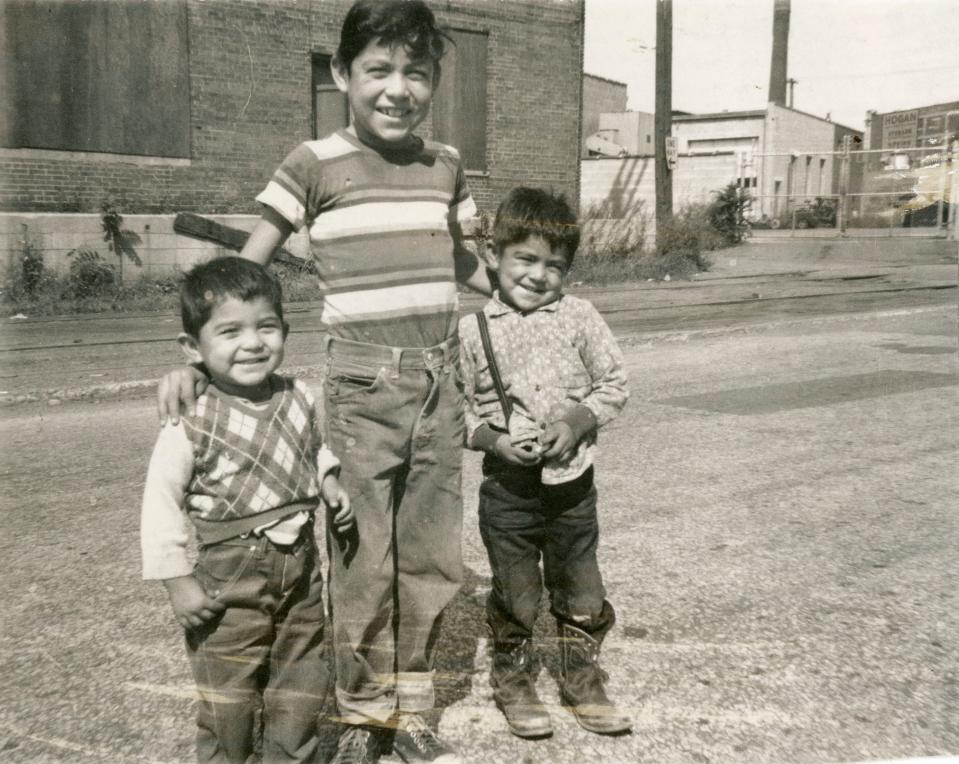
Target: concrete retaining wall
{"type": "Point", "coordinates": [163, 251]}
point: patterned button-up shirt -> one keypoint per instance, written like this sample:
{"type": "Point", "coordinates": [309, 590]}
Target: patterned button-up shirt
{"type": "Point", "coordinates": [551, 360]}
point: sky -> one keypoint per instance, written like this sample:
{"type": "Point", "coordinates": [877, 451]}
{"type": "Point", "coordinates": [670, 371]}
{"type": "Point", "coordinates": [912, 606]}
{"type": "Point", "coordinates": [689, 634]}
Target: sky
{"type": "Point", "coordinates": [848, 56]}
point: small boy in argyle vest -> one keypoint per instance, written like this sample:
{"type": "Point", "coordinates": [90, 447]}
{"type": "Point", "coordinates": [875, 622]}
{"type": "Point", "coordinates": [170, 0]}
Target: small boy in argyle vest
{"type": "Point", "coordinates": [248, 470]}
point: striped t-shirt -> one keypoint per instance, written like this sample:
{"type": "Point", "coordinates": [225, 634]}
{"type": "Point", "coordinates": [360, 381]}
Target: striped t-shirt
{"type": "Point", "coordinates": [379, 227]}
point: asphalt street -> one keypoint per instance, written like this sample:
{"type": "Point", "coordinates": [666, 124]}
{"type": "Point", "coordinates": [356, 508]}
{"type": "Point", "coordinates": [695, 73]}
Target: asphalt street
{"type": "Point", "coordinates": [778, 537]}
{"type": "Point", "coordinates": [770, 282]}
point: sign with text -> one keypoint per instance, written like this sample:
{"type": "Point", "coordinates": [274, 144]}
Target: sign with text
{"type": "Point", "coordinates": [671, 152]}
{"type": "Point", "coordinates": [899, 129]}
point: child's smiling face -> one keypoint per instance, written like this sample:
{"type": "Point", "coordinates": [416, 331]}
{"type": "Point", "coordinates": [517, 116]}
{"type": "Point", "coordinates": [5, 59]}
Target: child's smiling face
{"type": "Point", "coordinates": [530, 273]}
{"type": "Point", "coordinates": [241, 345]}
{"type": "Point", "coordinates": [389, 93]}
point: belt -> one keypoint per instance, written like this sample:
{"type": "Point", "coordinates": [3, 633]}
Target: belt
{"type": "Point", "coordinates": [366, 353]}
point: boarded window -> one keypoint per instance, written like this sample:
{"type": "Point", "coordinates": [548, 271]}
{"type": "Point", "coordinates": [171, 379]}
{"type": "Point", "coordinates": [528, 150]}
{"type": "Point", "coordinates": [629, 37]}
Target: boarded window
{"type": "Point", "coordinates": [331, 109]}
{"type": "Point", "coordinates": [98, 75]}
{"type": "Point", "coordinates": [459, 106]}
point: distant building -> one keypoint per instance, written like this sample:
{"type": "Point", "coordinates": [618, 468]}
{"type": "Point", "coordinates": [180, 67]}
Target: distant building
{"type": "Point", "coordinates": [633, 130]}
{"type": "Point", "coordinates": [913, 133]}
{"type": "Point", "coordinates": [923, 127]}
{"type": "Point", "coordinates": [783, 155]}
{"type": "Point", "coordinates": [600, 96]}
{"type": "Point", "coordinates": [905, 162]}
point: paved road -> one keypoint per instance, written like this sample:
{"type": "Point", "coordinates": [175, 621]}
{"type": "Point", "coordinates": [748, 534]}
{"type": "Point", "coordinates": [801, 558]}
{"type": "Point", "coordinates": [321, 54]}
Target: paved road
{"type": "Point", "coordinates": [774, 282]}
{"type": "Point", "coordinates": [779, 536]}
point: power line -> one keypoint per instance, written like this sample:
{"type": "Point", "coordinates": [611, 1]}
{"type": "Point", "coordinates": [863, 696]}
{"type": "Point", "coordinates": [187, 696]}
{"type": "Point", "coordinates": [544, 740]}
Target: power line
{"type": "Point", "coordinates": [879, 74]}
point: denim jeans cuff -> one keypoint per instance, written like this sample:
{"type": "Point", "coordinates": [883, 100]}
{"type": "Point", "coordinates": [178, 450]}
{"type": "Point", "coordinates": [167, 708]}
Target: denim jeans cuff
{"type": "Point", "coordinates": [414, 691]}
{"type": "Point", "coordinates": [365, 708]}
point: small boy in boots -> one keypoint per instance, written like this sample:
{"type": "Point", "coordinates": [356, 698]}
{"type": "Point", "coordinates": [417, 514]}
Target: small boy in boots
{"type": "Point", "coordinates": [547, 376]}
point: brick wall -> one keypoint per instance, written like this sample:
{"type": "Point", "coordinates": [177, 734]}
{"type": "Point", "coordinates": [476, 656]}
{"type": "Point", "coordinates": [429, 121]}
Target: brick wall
{"type": "Point", "coordinates": [251, 103]}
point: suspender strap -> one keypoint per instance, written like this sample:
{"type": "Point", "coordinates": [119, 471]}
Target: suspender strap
{"type": "Point", "coordinates": [493, 368]}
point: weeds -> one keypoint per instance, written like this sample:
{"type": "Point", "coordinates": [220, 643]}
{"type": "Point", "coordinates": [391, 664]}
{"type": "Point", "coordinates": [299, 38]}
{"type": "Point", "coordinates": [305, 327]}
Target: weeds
{"type": "Point", "coordinates": [92, 285]}
{"type": "Point", "coordinates": [89, 275]}
{"type": "Point", "coordinates": [618, 250]}
{"type": "Point", "coordinates": [613, 250]}
{"type": "Point", "coordinates": [26, 272]}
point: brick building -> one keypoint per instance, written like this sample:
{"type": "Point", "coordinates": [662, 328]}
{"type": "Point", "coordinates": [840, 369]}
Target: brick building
{"type": "Point", "coordinates": [189, 105]}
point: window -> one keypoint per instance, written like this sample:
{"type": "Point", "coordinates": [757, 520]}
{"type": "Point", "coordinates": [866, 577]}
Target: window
{"type": "Point", "coordinates": [98, 75]}
{"type": "Point", "coordinates": [459, 106]}
{"type": "Point", "coordinates": [331, 109]}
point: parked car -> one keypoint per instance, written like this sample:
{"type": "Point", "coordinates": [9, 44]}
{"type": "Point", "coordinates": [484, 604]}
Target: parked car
{"type": "Point", "coordinates": [819, 213]}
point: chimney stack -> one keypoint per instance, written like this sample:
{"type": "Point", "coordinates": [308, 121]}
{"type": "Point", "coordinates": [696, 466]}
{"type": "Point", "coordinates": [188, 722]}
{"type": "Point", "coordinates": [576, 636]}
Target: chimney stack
{"type": "Point", "coordinates": [777, 70]}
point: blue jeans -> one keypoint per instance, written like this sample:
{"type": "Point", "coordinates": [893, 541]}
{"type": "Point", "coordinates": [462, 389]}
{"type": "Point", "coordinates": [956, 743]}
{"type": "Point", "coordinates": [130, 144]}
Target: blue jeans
{"type": "Point", "coordinates": [394, 417]}
{"type": "Point", "coordinates": [266, 650]}
{"type": "Point", "coordinates": [522, 522]}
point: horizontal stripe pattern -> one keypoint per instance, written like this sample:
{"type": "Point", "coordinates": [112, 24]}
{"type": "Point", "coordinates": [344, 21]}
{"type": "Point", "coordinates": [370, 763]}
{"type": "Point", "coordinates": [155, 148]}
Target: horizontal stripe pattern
{"type": "Point", "coordinates": [380, 234]}
{"type": "Point", "coordinates": [379, 217]}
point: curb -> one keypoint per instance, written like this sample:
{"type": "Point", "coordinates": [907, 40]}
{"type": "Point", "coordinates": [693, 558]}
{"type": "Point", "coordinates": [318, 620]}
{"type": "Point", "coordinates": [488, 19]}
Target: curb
{"type": "Point", "coordinates": [141, 388]}
{"type": "Point", "coordinates": [655, 338]}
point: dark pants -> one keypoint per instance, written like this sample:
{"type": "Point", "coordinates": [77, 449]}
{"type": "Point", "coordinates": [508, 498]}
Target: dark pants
{"type": "Point", "coordinates": [267, 649]}
{"type": "Point", "coordinates": [522, 521]}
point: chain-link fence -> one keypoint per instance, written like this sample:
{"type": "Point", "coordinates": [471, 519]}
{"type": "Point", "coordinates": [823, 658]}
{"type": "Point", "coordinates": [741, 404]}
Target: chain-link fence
{"type": "Point", "coordinates": [893, 192]}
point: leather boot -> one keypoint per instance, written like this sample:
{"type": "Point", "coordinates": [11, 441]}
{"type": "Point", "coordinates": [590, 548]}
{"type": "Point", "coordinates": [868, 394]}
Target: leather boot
{"type": "Point", "coordinates": [582, 683]}
{"type": "Point", "coordinates": [514, 692]}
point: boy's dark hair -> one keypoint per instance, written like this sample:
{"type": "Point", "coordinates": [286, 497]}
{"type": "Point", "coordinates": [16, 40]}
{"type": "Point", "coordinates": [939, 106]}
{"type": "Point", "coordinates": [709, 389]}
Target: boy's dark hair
{"type": "Point", "coordinates": [208, 284]}
{"type": "Point", "coordinates": [392, 22]}
{"type": "Point", "coordinates": [529, 212]}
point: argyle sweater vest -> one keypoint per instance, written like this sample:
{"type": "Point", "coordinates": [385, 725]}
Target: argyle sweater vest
{"type": "Point", "coordinates": [252, 465]}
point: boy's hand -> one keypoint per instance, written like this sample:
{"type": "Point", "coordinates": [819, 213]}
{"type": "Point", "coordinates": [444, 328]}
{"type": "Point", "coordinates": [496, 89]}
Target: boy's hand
{"type": "Point", "coordinates": [192, 606]}
{"type": "Point", "coordinates": [558, 441]}
{"type": "Point", "coordinates": [338, 502]}
{"type": "Point", "coordinates": [516, 454]}
{"type": "Point", "coordinates": [178, 391]}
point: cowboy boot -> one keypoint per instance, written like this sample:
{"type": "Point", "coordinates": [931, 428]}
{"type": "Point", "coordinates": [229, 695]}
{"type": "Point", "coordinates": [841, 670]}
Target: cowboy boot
{"type": "Point", "coordinates": [514, 692]}
{"type": "Point", "coordinates": [582, 683]}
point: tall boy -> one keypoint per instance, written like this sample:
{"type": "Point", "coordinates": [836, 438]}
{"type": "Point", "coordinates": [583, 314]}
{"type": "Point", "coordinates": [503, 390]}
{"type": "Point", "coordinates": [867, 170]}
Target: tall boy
{"type": "Point", "coordinates": [384, 210]}
{"type": "Point", "coordinates": [248, 470]}
{"type": "Point", "coordinates": [562, 375]}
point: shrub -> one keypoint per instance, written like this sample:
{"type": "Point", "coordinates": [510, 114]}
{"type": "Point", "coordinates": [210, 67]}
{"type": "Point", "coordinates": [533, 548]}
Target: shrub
{"type": "Point", "coordinates": [297, 279]}
{"type": "Point", "coordinates": [617, 250]}
{"type": "Point", "coordinates": [26, 274]}
{"type": "Point", "coordinates": [31, 267]}
{"type": "Point", "coordinates": [119, 240]}
{"type": "Point", "coordinates": [727, 213]}
{"type": "Point", "coordinates": [89, 274]}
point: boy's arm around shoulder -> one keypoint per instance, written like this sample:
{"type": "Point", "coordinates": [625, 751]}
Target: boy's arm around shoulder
{"type": "Point", "coordinates": [470, 269]}
{"type": "Point", "coordinates": [271, 230]}
{"type": "Point", "coordinates": [603, 360]}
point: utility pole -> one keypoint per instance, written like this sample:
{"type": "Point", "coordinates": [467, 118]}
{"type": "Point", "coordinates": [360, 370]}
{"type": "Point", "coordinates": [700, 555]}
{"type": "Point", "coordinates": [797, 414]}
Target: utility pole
{"type": "Point", "coordinates": [792, 84]}
{"type": "Point", "coordinates": [663, 118]}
